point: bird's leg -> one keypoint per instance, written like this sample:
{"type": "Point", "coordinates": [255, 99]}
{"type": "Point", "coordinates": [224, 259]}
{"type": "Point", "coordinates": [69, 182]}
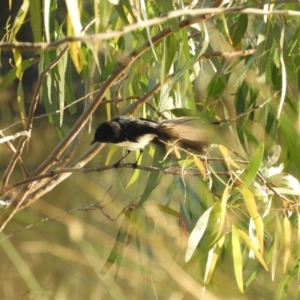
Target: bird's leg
{"type": "Point", "coordinates": [118, 162]}
{"type": "Point", "coordinates": [135, 164]}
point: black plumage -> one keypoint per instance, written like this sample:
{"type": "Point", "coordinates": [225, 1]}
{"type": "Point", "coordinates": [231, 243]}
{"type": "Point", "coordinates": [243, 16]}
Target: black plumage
{"type": "Point", "coordinates": [134, 134]}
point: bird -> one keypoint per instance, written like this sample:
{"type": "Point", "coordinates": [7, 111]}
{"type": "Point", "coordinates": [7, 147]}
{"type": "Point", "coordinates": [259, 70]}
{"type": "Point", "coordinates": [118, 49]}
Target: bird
{"type": "Point", "coordinates": [134, 134]}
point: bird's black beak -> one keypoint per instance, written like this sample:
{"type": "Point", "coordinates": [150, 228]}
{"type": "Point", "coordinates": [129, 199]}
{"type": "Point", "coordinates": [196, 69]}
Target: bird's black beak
{"type": "Point", "coordinates": [94, 141]}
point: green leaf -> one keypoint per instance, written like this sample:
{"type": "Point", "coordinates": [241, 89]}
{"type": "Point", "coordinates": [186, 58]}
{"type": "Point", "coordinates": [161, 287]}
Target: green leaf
{"type": "Point", "coordinates": [241, 97]}
{"type": "Point", "coordinates": [241, 27]}
{"type": "Point", "coordinates": [253, 166]}
{"type": "Point", "coordinates": [213, 256]}
{"type": "Point", "coordinates": [223, 211]}
{"type": "Point", "coordinates": [12, 74]}
{"type": "Point", "coordinates": [62, 65]}
{"type": "Point", "coordinates": [19, 19]}
{"type": "Point", "coordinates": [50, 7]}
{"type": "Point", "coordinates": [116, 253]}
{"type": "Point", "coordinates": [69, 89]}
{"type": "Point", "coordinates": [153, 179]}
{"type": "Point", "coordinates": [20, 99]}
{"type": "Point", "coordinates": [287, 242]}
{"type": "Point", "coordinates": [36, 20]}
{"type": "Point", "coordinates": [170, 52]}
{"type": "Point", "coordinates": [183, 207]}
{"type": "Point", "coordinates": [197, 234]}
{"type": "Point", "coordinates": [237, 258]}
{"type": "Point", "coordinates": [133, 178]}
{"type": "Point", "coordinates": [252, 209]}
{"type": "Point", "coordinates": [291, 135]}
{"type": "Point", "coordinates": [249, 243]}
{"type": "Point", "coordinates": [265, 43]}
{"type": "Point", "coordinates": [277, 239]}
{"type": "Point", "coordinates": [216, 86]}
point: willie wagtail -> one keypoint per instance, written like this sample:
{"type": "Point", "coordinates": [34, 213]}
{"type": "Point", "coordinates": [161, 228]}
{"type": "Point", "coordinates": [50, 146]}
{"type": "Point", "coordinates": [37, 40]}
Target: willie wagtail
{"type": "Point", "coordinates": [134, 134]}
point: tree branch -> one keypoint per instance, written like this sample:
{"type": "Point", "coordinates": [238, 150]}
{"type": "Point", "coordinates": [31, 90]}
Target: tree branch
{"type": "Point", "coordinates": [95, 38]}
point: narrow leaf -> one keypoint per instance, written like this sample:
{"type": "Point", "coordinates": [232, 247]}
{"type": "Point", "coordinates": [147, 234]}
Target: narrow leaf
{"type": "Point", "coordinates": [283, 72]}
{"type": "Point", "coordinates": [252, 209]}
{"type": "Point", "coordinates": [35, 19]}
{"type": "Point", "coordinates": [62, 66]}
{"type": "Point", "coordinates": [249, 243]}
{"type": "Point", "coordinates": [153, 180]}
{"type": "Point", "coordinates": [277, 239]}
{"type": "Point", "coordinates": [197, 234]}
{"type": "Point", "coordinates": [237, 258]}
{"type": "Point", "coordinates": [287, 242]}
{"type": "Point", "coordinates": [253, 166]}
{"type": "Point", "coordinates": [214, 254]}
{"type": "Point", "coordinates": [20, 99]}
{"type": "Point", "coordinates": [200, 166]}
{"type": "Point", "coordinates": [133, 178]}
{"type": "Point", "coordinates": [19, 19]}
{"type": "Point", "coordinates": [12, 74]}
{"type": "Point", "coordinates": [227, 156]}
{"type": "Point", "coordinates": [223, 211]}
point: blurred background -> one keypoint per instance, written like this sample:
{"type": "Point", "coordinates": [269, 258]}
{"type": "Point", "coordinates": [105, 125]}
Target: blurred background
{"type": "Point", "coordinates": [84, 239]}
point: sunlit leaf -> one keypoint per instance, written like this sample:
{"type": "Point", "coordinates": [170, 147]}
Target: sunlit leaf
{"type": "Point", "coordinates": [277, 239]}
{"type": "Point", "coordinates": [287, 242]}
{"type": "Point", "coordinates": [237, 258]}
{"type": "Point", "coordinates": [21, 106]}
{"type": "Point", "coordinates": [227, 156]}
{"type": "Point", "coordinates": [253, 166]}
{"type": "Point", "coordinates": [197, 234]}
{"type": "Point", "coordinates": [73, 12]}
{"type": "Point", "coordinates": [249, 243]}
{"type": "Point", "coordinates": [133, 178]}
{"type": "Point", "coordinates": [252, 209]}
{"type": "Point", "coordinates": [212, 259]}
{"type": "Point", "coordinates": [200, 166]}
{"type": "Point", "coordinates": [19, 19]}
{"type": "Point", "coordinates": [62, 66]}
{"type": "Point", "coordinates": [18, 62]}
{"type": "Point", "coordinates": [223, 211]}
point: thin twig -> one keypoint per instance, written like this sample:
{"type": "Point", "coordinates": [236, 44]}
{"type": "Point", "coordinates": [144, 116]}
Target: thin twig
{"type": "Point", "coordinates": [13, 136]}
{"type": "Point", "coordinates": [32, 108]}
{"type": "Point", "coordinates": [95, 38]}
{"type": "Point", "coordinates": [11, 147]}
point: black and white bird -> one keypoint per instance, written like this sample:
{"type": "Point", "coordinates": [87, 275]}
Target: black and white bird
{"type": "Point", "coordinates": [135, 133]}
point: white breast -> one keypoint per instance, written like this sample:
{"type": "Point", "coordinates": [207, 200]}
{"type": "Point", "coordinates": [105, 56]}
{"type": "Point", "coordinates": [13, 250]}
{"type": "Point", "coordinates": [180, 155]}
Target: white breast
{"type": "Point", "coordinates": [142, 142]}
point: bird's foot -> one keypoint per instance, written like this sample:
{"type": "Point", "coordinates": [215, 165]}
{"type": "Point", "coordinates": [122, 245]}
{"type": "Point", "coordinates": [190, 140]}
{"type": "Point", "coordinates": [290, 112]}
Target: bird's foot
{"type": "Point", "coordinates": [134, 165]}
{"type": "Point", "coordinates": [117, 165]}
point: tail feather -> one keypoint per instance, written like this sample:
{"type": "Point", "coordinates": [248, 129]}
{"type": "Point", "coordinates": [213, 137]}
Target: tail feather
{"type": "Point", "coordinates": [184, 132]}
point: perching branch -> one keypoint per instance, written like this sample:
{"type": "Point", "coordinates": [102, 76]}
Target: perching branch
{"type": "Point", "coordinates": [95, 38]}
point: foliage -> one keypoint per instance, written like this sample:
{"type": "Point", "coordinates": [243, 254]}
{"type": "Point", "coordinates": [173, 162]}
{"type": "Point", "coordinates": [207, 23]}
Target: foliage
{"type": "Point", "coordinates": [234, 66]}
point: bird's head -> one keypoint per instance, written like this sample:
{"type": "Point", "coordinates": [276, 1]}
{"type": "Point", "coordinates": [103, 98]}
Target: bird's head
{"type": "Point", "coordinates": [104, 133]}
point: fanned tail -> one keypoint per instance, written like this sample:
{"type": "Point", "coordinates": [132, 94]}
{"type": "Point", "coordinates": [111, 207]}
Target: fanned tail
{"type": "Point", "coordinates": [185, 132]}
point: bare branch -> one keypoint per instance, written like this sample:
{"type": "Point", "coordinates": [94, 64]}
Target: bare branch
{"type": "Point", "coordinates": [13, 150]}
{"type": "Point", "coordinates": [95, 38]}
{"type": "Point", "coordinates": [14, 136]}
{"type": "Point", "coordinates": [32, 108]}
